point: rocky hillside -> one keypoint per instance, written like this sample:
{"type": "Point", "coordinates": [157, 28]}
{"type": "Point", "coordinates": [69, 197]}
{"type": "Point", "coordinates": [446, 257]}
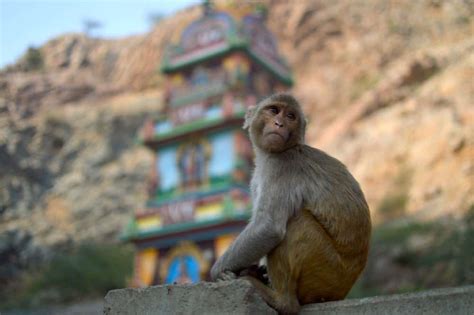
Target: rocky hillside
{"type": "Point", "coordinates": [387, 86]}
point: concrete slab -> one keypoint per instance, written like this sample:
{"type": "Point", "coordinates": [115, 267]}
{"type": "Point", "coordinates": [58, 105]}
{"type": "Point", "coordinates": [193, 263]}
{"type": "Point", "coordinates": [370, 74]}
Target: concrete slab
{"type": "Point", "coordinates": [239, 297]}
{"type": "Point", "coordinates": [450, 301]}
{"type": "Point", "coordinates": [230, 297]}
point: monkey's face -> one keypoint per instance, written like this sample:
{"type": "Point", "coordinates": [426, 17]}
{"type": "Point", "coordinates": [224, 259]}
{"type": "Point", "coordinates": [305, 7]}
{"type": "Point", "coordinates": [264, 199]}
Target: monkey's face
{"type": "Point", "coordinates": [276, 127]}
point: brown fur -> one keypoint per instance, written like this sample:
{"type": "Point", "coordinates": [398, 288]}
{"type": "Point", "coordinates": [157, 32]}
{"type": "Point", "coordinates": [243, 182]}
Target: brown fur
{"type": "Point", "coordinates": [307, 267]}
{"type": "Point", "coordinates": [310, 217]}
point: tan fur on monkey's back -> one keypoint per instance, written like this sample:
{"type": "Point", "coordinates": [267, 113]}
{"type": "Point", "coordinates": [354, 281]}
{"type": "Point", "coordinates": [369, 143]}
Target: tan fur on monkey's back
{"type": "Point", "coordinates": [327, 243]}
{"type": "Point", "coordinates": [318, 182]}
{"type": "Point", "coordinates": [322, 272]}
{"type": "Point", "coordinates": [309, 215]}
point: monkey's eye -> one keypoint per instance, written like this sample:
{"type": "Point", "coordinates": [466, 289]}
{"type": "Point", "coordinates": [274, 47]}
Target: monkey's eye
{"type": "Point", "coordinates": [273, 110]}
{"type": "Point", "coordinates": [291, 116]}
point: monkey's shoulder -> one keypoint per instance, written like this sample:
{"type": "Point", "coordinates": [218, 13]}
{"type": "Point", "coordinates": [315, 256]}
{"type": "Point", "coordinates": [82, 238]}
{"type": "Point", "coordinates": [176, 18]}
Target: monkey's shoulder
{"type": "Point", "coordinates": [301, 162]}
{"type": "Point", "coordinates": [328, 177]}
{"type": "Point", "coordinates": [317, 166]}
{"type": "Point", "coordinates": [314, 156]}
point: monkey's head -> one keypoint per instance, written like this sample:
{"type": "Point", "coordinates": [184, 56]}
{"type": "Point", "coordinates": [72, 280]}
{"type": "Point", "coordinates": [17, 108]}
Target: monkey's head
{"type": "Point", "coordinates": [276, 123]}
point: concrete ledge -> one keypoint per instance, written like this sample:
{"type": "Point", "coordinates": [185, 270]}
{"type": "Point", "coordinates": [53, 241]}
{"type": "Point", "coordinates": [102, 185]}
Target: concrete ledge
{"type": "Point", "coordinates": [239, 297]}
{"type": "Point", "coordinates": [232, 297]}
{"type": "Point", "coordinates": [440, 301]}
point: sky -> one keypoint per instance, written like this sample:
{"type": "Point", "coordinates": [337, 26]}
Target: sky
{"type": "Point", "coordinates": [26, 23]}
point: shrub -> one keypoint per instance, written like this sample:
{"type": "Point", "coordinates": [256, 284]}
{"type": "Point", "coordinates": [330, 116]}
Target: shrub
{"type": "Point", "coordinates": [393, 205]}
{"type": "Point", "coordinates": [33, 59]}
{"type": "Point", "coordinates": [456, 251]}
{"type": "Point", "coordinates": [407, 256]}
{"type": "Point", "coordinates": [89, 270]}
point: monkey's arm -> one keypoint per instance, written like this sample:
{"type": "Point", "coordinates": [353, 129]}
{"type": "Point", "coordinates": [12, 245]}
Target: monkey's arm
{"type": "Point", "coordinates": [265, 231]}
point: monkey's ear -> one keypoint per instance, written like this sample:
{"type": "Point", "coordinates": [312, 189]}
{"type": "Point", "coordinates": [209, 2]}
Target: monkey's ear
{"type": "Point", "coordinates": [248, 116]}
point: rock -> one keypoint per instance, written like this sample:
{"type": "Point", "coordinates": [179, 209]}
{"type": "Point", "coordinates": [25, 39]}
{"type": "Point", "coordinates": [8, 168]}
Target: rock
{"type": "Point", "coordinates": [17, 252]}
{"type": "Point", "coordinates": [228, 297]}
{"type": "Point", "coordinates": [442, 301]}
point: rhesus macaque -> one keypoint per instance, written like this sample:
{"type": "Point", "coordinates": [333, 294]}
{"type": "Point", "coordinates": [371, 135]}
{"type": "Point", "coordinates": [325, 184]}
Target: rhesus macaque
{"type": "Point", "coordinates": [310, 217]}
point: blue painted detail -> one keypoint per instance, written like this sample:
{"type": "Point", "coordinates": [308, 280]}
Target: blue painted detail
{"type": "Point", "coordinates": [183, 269]}
{"type": "Point", "coordinates": [200, 76]}
{"type": "Point", "coordinates": [163, 126]}
{"type": "Point", "coordinates": [223, 156]}
{"type": "Point", "coordinates": [221, 162]}
{"type": "Point", "coordinates": [213, 112]}
{"type": "Point", "coordinates": [167, 168]}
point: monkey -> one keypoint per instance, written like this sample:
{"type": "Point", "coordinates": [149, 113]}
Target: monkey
{"type": "Point", "coordinates": [309, 218]}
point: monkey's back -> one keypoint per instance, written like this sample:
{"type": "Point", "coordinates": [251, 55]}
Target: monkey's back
{"type": "Point", "coordinates": [334, 197]}
{"type": "Point", "coordinates": [327, 241]}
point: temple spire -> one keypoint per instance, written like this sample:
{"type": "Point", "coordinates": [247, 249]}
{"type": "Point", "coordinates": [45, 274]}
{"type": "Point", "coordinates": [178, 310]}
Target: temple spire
{"type": "Point", "coordinates": [207, 7]}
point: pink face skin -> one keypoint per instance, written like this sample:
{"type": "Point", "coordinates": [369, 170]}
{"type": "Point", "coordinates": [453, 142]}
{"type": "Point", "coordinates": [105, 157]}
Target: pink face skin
{"type": "Point", "coordinates": [278, 123]}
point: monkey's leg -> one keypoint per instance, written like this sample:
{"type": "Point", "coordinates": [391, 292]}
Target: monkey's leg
{"type": "Point", "coordinates": [284, 268]}
{"type": "Point", "coordinates": [310, 258]}
{"type": "Point", "coordinates": [283, 302]}
{"type": "Point", "coordinates": [304, 268]}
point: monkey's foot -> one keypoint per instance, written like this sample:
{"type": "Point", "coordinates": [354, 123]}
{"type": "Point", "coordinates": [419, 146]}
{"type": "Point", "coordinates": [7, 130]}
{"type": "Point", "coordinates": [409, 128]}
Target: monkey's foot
{"type": "Point", "coordinates": [256, 271]}
{"type": "Point", "coordinates": [284, 303]}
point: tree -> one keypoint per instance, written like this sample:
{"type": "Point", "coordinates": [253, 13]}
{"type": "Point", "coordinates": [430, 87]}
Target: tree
{"type": "Point", "coordinates": [155, 18]}
{"type": "Point", "coordinates": [90, 25]}
{"type": "Point", "coordinates": [33, 59]}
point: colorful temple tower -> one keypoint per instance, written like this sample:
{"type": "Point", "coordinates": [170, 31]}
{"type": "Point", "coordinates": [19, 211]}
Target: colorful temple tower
{"type": "Point", "coordinates": [199, 198]}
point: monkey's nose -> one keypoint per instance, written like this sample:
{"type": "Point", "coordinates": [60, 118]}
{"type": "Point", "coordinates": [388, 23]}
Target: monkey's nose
{"type": "Point", "coordinates": [279, 124]}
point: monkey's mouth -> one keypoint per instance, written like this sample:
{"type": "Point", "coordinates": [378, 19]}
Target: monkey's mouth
{"type": "Point", "coordinates": [272, 134]}
{"type": "Point", "coordinates": [275, 133]}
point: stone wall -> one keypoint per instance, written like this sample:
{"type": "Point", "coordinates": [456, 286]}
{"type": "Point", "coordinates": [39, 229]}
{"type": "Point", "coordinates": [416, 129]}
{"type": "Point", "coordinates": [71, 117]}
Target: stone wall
{"type": "Point", "coordinates": [239, 297]}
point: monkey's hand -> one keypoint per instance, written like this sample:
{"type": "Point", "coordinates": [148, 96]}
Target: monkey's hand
{"type": "Point", "coordinates": [220, 272]}
{"type": "Point", "coordinates": [226, 276]}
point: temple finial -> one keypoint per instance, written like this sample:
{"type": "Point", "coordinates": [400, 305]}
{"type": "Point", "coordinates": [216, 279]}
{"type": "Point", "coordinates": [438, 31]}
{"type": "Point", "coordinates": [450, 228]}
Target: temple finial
{"type": "Point", "coordinates": [207, 7]}
{"type": "Point", "coordinates": [262, 11]}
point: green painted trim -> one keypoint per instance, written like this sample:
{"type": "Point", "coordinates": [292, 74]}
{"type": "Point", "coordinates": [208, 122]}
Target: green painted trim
{"type": "Point", "coordinates": [232, 39]}
{"type": "Point", "coordinates": [193, 126]}
{"type": "Point", "coordinates": [167, 195]}
{"type": "Point", "coordinates": [181, 227]}
{"type": "Point", "coordinates": [129, 230]}
{"type": "Point", "coordinates": [244, 46]}
{"type": "Point", "coordinates": [288, 80]}
{"type": "Point", "coordinates": [215, 184]}
{"type": "Point", "coordinates": [168, 68]}
{"type": "Point", "coordinates": [234, 42]}
{"type": "Point", "coordinates": [201, 95]}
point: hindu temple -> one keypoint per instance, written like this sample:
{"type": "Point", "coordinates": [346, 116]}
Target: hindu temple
{"type": "Point", "coordinates": [199, 198]}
